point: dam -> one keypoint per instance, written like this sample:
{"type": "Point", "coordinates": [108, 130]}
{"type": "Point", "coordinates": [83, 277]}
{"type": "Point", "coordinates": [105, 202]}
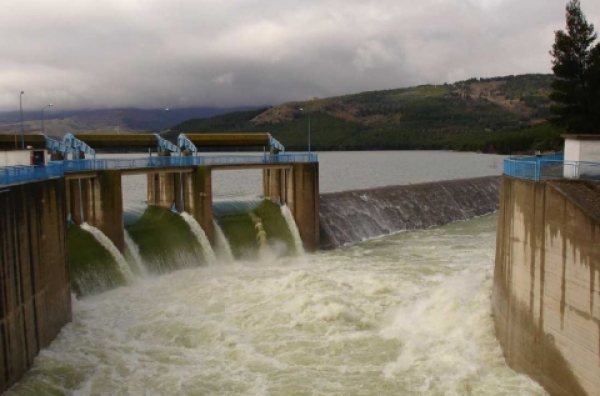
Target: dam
{"type": "Point", "coordinates": [375, 317]}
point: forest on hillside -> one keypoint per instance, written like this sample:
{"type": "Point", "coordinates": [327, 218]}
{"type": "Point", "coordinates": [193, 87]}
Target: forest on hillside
{"type": "Point", "coordinates": [500, 115]}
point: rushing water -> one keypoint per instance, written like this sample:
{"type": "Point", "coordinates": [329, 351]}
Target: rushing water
{"type": "Point", "coordinates": [407, 314]}
{"type": "Point", "coordinates": [209, 253]}
{"type": "Point", "coordinates": [113, 250]}
{"type": "Point", "coordinates": [222, 245]}
{"type": "Point", "coordinates": [135, 253]}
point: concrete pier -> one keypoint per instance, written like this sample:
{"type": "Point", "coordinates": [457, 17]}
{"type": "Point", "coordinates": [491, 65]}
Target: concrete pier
{"type": "Point", "coordinates": [98, 200]}
{"type": "Point", "coordinates": [274, 184]}
{"type": "Point", "coordinates": [203, 200]}
{"type": "Point", "coordinates": [546, 297]}
{"type": "Point", "coordinates": [303, 201]}
{"type": "Point", "coordinates": [35, 299]}
{"type": "Point", "coordinates": [190, 191]}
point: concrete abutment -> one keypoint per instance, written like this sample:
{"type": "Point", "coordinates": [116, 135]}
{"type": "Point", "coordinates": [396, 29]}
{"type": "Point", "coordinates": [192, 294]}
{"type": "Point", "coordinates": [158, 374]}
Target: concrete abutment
{"type": "Point", "coordinates": [546, 295]}
{"type": "Point", "coordinates": [35, 298]}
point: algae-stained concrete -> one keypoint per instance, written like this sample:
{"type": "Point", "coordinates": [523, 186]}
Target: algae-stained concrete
{"type": "Point", "coordinates": [546, 297]}
{"type": "Point", "coordinates": [165, 241]}
{"type": "Point", "coordinates": [93, 269]}
{"type": "Point", "coordinates": [35, 298]}
{"type": "Point", "coordinates": [241, 231]}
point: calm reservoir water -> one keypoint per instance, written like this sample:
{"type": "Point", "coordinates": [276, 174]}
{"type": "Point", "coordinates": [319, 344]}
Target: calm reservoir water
{"type": "Point", "coordinates": [407, 314]}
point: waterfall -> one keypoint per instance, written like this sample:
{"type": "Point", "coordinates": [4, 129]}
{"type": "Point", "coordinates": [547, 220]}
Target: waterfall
{"type": "Point", "coordinates": [223, 246]}
{"type": "Point", "coordinates": [209, 253]}
{"type": "Point", "coordinates": [112, 249]}
{"type": "Point", "coordinates": [135, 253]}
{"type": "Point", "coordinates": [261, 234]}
{"type": "Point", "coordinates": [289, 219]}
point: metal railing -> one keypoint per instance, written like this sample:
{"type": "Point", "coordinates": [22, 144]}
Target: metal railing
{"type": "Point", "coordinates": [24, 173]}
{"type": "Point", "coordinates": [550, 168]}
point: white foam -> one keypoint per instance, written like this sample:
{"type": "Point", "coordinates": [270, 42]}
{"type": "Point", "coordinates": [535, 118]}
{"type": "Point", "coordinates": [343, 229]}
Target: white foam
{"type": "Point", "coordinates": [408, 314]}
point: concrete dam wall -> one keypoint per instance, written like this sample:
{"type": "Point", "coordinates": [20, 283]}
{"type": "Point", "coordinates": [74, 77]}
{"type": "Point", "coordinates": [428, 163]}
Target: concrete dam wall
{"type": "Point", "coordinates": [546, 297]}
{"type": "Point", "coordinates": [353, 216]}
{"type": "Point", "coordinates": [35, 298]}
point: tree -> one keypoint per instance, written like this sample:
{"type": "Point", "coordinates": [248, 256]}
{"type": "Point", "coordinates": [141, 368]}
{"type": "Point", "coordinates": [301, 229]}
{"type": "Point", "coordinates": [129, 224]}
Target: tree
{"type": "Point", "coordinates": [576, 66]}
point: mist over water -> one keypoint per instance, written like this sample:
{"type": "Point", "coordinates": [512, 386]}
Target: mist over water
{"type": "Point", "coordinates": [406, 314]}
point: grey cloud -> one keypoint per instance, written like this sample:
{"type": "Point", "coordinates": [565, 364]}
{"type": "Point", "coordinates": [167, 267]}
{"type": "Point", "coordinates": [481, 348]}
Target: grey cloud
{"type": "Point", "coordinates": [117, 53]}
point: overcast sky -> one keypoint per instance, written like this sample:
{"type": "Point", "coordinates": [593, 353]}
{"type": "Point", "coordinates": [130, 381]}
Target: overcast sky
{"type": "Point", "coordinates": [221, 53]}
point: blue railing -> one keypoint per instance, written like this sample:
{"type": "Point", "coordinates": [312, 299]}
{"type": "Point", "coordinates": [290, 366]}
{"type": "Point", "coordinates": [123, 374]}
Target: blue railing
{"type": "Point", "coordinates": [550, 167]}
{"type": "Point", "coordinates": [24, 173]}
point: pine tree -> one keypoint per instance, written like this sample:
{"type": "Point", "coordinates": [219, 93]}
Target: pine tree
{"type": "Point", "coordinates": [576, 66]}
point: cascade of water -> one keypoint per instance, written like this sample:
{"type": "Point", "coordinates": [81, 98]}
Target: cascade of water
{"type": "Point", "coordinates": [209, 253]}
{"type": "Point", "coordinates": [261, 234]}
{"type": "Point", "coordinates": [223, 246]}
{"type": "Point", "coordinates": [135, 253]}
{"type": "Point", "coordinates": [289, 219]}
{"type": "Point", "coordinates": [112, 249]}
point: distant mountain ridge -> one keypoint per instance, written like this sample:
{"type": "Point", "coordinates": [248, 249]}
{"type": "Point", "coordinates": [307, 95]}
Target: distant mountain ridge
{"type": "Point", "coordinates": [57, 122]}
{"type": "Point", "coordinates": [499, 114]}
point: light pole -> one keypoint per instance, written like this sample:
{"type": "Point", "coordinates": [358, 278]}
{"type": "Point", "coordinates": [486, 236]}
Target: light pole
{"type": "Point", "coordinates": [48, 105]}
{"type": "Point", "coordinates": [301, 109]}
{"type": "Point", "coordinates": [21, 111]}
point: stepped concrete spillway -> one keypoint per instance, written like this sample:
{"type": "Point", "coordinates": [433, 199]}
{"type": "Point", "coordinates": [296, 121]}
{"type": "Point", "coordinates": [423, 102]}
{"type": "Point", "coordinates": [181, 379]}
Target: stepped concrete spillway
{"type": "Point", "coordinates": [353, 216]}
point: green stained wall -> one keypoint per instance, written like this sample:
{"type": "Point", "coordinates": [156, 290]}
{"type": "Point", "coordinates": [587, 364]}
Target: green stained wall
{"type": "Point", "coordinates": [93, 268]}
{"type": "Point", "coordinates": [165, 240]}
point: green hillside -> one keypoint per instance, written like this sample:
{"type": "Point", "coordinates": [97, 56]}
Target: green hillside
{"type": "Point", "coordinates": [502, 114]}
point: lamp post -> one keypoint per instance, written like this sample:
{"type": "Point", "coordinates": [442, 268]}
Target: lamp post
{"type": "Point", "coordinates": [301, 109]}
{"type": "Point", "coordinates": [48, 105]}
{"type": "Point", "coordinates": [21, 111]}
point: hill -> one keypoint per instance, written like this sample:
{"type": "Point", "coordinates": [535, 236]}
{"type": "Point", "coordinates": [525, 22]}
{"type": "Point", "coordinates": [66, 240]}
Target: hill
{"type": "Point", "coordinates": [500, 114]}
{"type": "Point", "coordinates": [58, 122]}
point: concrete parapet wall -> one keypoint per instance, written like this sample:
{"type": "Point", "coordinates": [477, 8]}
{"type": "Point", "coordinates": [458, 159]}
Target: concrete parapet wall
{"type": "Point", "coordinates": [352, 216]}
{"type": "Point", "coordinates": [546, 297]}
{"type": "Point", "coordinates": [35, 299]}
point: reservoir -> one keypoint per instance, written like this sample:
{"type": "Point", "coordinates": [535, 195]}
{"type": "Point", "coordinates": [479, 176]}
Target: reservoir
{"type": "Point", "coordinates": [402, 314]}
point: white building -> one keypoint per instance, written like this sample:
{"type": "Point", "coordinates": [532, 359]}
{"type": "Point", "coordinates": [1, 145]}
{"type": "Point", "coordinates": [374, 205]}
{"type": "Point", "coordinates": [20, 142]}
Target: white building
{"type": "Point", "coordinates": [578, 149]}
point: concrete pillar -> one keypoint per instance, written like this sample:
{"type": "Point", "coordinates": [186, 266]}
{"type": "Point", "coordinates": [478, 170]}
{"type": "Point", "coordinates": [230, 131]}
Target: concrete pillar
{"type": "Point", "coordinates": [78, 200]}
{"type": "Point", "coordinates": [202, 200]}
{"type": "Point", "coordinates": [272, 185]}
{"type": "Point", "coordinates": [161, 189]}
{"type": "Point", "coordinates": [108, 206]}
{"type": "Point", "coordinates": [99, 202]}
{"type": "Point", "coordinates": [305, 203]}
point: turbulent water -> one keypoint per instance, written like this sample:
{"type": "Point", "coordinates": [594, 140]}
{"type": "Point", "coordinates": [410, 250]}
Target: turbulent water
{"type": "Point", "coordinates": [209, 253]}
{"type": "Point", "coordinates": [112, 249]}
{"type": "Point", "coordinates": [408, 314]}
